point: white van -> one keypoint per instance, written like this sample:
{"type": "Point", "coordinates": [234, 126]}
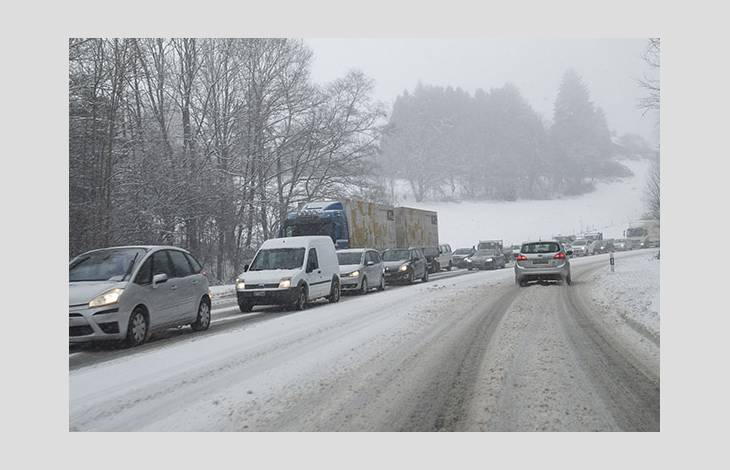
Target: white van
{"type": "Point", "coordinates": [290, 271]}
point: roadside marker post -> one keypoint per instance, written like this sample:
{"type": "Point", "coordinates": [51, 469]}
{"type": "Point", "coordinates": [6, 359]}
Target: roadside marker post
{"type": "Point", "coordinates": [611, 261]}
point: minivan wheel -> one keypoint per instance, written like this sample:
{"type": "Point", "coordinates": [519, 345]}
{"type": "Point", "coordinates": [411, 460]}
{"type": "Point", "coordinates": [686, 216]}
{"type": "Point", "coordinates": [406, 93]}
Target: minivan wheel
{"type": "Point", "coordinates": [244, 307]}
{"type": "Point", "coordinates": [425, 276]}
{"type": "Point", "coordinates": [137, 328]}
{"type": "Point", "coordinates": [334, 296]}
{"type": "Point", "coordinates": [203, 321]}
{"type": "Point", "coordinates": [364, 286]}
{"type": "Point", "coordinates": [411, 277]}
{"type": "Point", "coordinates": [301, 302]}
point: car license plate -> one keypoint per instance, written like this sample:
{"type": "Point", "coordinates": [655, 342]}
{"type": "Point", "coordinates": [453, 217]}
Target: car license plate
{"type": "Point", "coordinates": [259, 294]}
{"type": "Point", "coordinates": [539, 261]}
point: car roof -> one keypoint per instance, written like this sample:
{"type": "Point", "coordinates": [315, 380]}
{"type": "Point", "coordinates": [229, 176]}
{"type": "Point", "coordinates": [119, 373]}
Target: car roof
{"type": "Point", "coordinates": [294, 242]}
{"type": "Point", "coordinates": [353, 250]}
{"type": "Point", "coordinates": [140, 247]}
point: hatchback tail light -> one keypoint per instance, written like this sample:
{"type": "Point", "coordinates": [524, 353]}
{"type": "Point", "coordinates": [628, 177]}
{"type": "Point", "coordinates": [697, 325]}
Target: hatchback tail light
{"type": "Point", "coordinates": [521, 258]}
{"type": "Point", "coordinates": [560, 255]}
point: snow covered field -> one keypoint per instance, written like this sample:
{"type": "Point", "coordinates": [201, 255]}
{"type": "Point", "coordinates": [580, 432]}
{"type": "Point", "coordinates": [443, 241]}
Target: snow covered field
{"type": "Point", "coordinates": [632, 290]}
{"type": "Point", "coordinates": [610, 208]}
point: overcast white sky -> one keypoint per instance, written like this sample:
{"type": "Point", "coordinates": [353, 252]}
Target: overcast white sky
{"type": "Point", "coordinates": [610, 67]}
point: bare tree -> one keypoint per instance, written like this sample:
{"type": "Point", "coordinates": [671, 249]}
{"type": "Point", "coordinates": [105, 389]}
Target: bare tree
{"type": "Point", "coordinates": [652, 191]}
{"type": "Point", "coordinates": [650, 82]}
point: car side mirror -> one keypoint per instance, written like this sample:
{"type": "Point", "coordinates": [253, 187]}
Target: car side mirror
{"type": "Point", "coordinates": [370, 263]}
{"type": "Point", "coordinates": [159, 279]}
{"type": "Point", "coordinates": [310, 268]}
{"type": "Point", "coordinates": [245, 267]}
{"type": "Point", "coordinates": [569, 252]}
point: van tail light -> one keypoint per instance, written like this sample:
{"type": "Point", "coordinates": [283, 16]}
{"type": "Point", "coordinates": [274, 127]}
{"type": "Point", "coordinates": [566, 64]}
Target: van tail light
{"type": "Point", "coordinates": [521, 258]}
{"type": "Point", "coordinates": [560, 255]}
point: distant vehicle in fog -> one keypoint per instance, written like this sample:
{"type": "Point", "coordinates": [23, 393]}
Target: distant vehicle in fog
{"type": "Point", "coordinates": [487, 258]}
{"type": "Point", "coordinates": [460, 256]}
{"type": "Point", "coordinates": [431, 253]}
{"type": "Point", "coordinates": [593, 236]}
{"type": "Point", "coordinates": [124, 293]}
{"type": "Point", "coordinates": [602, 246]}
{"type": "Point", "coordinates": [445, 258]}
{"type": "Point", "coordinates": [621, 244]}
{"type": "Point", "coordinates": [580, 247]}
{"type": "Point", "coordinates": [541, 261]}
{"type": "Point", "coordinates": [643, 234]}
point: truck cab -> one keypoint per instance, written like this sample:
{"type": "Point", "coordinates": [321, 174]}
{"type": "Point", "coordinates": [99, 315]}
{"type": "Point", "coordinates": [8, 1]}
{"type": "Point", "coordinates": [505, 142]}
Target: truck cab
{"type": "Point", "coordinates": [318, 218]}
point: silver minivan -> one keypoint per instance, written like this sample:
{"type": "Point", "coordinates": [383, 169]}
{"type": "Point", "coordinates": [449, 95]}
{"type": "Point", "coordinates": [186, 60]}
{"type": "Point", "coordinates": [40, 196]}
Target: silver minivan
{"type": "Point", "coordinates": [361, 270]}
{"type": "Point", "coordinates": [124, 293]}
{"type": "Point", "coordinates": [542, 261]}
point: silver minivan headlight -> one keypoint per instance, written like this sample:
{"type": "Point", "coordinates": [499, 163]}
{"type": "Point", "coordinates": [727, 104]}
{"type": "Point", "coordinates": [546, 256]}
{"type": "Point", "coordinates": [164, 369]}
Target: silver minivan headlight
{"type": "Point", "coordinates": [107, 298]}
{"type": "Point", "coordinates": [285, 283]}
{"type": "Point", "coordinates": [240, 284]}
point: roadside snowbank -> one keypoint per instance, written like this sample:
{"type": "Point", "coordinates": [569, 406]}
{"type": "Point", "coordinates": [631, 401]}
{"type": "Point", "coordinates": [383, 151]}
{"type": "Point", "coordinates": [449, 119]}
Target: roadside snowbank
{"type": "Point", "coordinates": [632, 290]}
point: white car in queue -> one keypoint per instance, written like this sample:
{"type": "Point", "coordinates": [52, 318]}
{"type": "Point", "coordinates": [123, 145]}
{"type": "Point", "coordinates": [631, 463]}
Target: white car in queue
{"type": "Point", "coordinates": [290, 271]}
{"type": "Point", "coordinates": [124, 293]}
{"type": "Point", "coordinates": [361, 269]}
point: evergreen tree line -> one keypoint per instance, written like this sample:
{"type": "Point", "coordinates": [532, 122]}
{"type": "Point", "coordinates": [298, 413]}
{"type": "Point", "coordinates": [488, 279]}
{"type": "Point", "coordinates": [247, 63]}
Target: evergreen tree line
{"type": "Point", "coordinates": [451, 145]}
{"type": "Point", "coordinates": [207, 143]}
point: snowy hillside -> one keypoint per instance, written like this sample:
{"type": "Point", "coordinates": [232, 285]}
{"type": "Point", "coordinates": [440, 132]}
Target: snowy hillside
{"type": "Point", "coordinates": [609, 209]}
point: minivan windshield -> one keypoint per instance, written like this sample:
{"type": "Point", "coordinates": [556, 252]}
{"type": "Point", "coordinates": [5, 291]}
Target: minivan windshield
{"type": "Point", "coordinates": [544, 247]}
{"type": "Point", "coordinates": [349, 258]}
{"type": "Point", "coordinates": [114, 264]}
{"type": "Point", "coordinates": [278, 258]}
{"type": "Point", "coordinates": [463, 251]}
{"type": "Point", "coordinates": [396, 255]}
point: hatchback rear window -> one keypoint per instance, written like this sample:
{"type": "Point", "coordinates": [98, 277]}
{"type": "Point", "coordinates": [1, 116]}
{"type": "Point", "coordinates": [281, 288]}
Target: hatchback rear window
{"type": "Point", "coordinates": [544, 247]}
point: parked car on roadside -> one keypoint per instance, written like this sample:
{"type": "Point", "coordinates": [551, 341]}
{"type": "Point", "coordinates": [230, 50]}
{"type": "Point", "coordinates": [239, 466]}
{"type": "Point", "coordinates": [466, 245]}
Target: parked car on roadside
{"type": "Point", "coordinates": [125, 293]}
{"type": "Point", "coordinates": [487, 258]}
{"type": "Point", "coordinates": [361, 270]}
{"type": "Point", "coordinates": [540, 261]}
{"type": "Point", "coordinates": [290, 271]}
{"type": "Point", "coordinates": [460, 255]}
{"type": "Point", "coordinates": [405, 265]}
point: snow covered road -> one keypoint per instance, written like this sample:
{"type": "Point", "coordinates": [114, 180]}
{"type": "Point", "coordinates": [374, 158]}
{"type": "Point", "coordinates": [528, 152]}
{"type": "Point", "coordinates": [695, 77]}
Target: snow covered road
{"type": "Point", "coordinates": [466, 352]}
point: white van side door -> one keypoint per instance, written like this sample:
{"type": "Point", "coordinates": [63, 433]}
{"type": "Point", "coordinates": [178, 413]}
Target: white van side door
{"type": "Point", "coordinates": [313, 274]}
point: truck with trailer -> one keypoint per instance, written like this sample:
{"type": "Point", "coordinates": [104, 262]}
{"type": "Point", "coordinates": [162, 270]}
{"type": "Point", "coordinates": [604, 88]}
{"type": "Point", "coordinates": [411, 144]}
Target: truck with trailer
{"type": "Point", "coordinates": [354, 223]}
{"type": "Point", "coordinates": [643, 233]}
